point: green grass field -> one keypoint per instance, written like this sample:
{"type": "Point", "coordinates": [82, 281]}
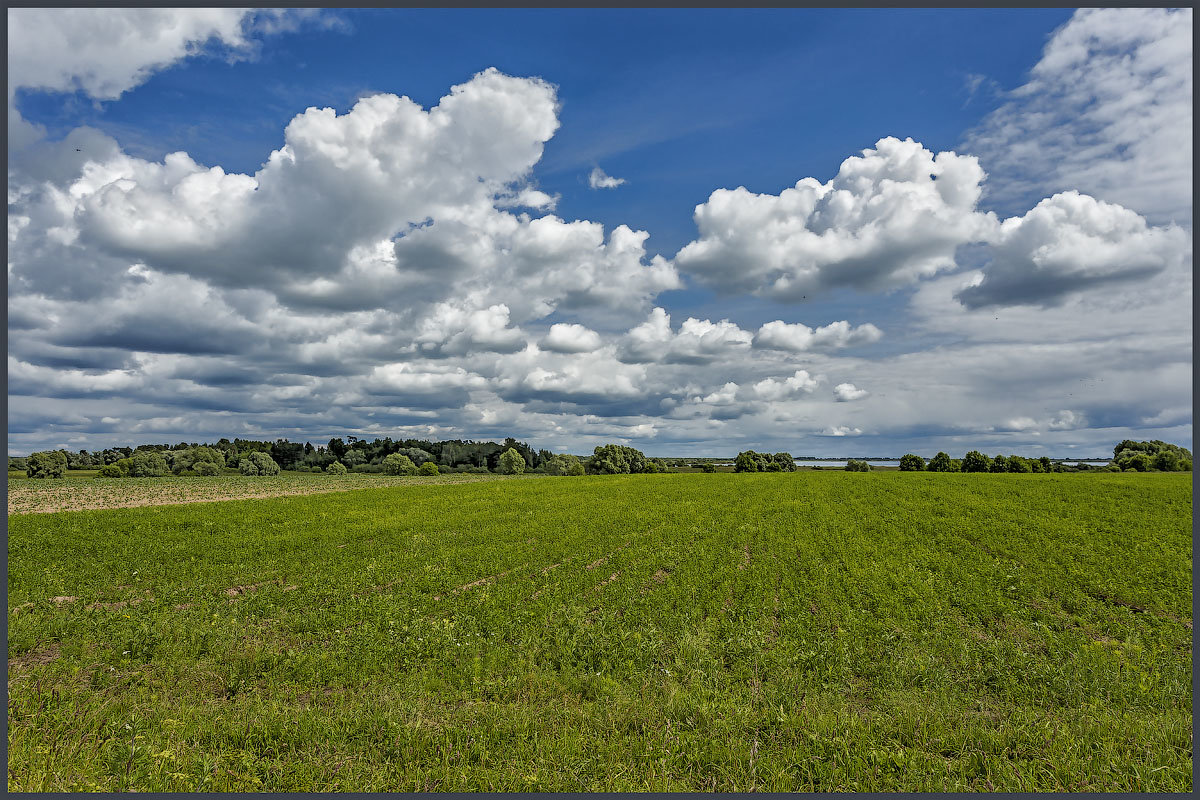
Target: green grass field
{"type": "Point", "coordinates": [780, 632]}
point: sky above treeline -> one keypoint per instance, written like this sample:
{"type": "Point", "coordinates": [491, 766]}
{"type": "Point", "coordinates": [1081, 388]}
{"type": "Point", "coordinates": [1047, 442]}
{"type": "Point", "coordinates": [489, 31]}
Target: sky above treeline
{"type": "Point", "coordinates": [856, 232]}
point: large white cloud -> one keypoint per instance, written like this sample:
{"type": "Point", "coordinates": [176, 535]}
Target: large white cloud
{"type": "Point", "coordinates": [1106, 111]}
{"type": "Point", "coordinates": [104, 52]}
{"type": "Point", "coordinates": [697, 341]}
{"type": "Point", "coordinates": [567, 337]}
{"type": "Point", "coordinates": [1071, 242]}
{"type": "Point", "coordinates": [386, 206]}
{"type": "Point", "coordinates": [893, 215]}
{"type": "Point", "coordinates": [900, 214]}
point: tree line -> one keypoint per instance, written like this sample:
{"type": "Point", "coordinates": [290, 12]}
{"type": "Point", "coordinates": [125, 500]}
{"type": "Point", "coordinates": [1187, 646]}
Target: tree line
{"type": "Point", "coordinates": [1128, 455]}
{"type": "Point", "coordinates": [420, 457]}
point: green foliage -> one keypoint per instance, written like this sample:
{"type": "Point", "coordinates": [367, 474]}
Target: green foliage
{"type": "Point", "coordinates": [148, 464]}
{"type": "Point", "coordinates": [415, 455]}
{"type": "Point", "coordinates": [854, 465]}
{"type": "Point", "coordinates": [428, 468]}
{"type": "Point", "coordinates": [338, 468]}
{"type": "Point", "coordinates": [19, 463]}
{"type": "Point", "coordinates": [999, 464]}
{"type": "Point", "coordinates": [1151, 455]}
{"type": "Point", "coordinates": [563, 464]}
{"type": "Point", "coordinates": [110, 471]}
{"type": "Point", "coordinates": [708, 466]}
{"type": "Point", "coordinates": [615, 459]}
{"type": "Point", "coordinates": [206, 468]}
{"type": "Point", "coordinates": [1018, 464]}
{"type": "Point", "coordinates": [939, 463]}
{"type": "Point", "coordinates": [746, 461]}
{"type": "Point", "coordinates": [911, 463]}
{"type": "Point", "coordinates": [976, 461]}
{"type": "Point", "coordinates": [752, 461]}
{"type": "Point", "coordinates": [511, 463]}
{"type": "Point", "coordinates": [181, 460]}
{"type": "Point", "coordinates": [400, 464]}
{"type": "Point", "coordinates": [258, 463]}
{"type": "Point", "coordinates": [46, 464]}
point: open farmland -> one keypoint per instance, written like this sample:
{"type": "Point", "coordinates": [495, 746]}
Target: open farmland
{"type": "Point", "coordinates": [778, 632]}
{"type": "Point", "coordinates": [72, 494]}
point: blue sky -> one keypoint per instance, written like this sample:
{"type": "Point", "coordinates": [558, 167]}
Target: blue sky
{"type": "Point", "coordinates": [1030, 105]}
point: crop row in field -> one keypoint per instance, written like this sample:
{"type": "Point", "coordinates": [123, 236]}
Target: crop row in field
{"type": "Point", "coordinates": [787, 632]}
{"type": "Point", "coordinates": [72, 494]}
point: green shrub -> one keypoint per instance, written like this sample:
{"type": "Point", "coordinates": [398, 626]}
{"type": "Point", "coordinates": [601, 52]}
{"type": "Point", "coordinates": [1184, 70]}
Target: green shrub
{"type": "Point", "coordinates": [110, 471]}
{"type": "Point", "coordinates": [257, 463]}
{"type": "Point", "coordinates": [398, 464]}
{"type": "Point", "coordinates": [428, 468]}
{"type": "Point", "coordinates": [336, 468]}
{"type": "Point", "coordinates": [708, 467]}
{"type": "Point", "coordinates": [148, 464]}
{"type": "Point", "coordinates": [854, 465]}
{"type": "Point", "coordinates": [47, 464]}
{"type": "Point", "coordinates": [206, 468]}
{"type": "Point", "coordinates": [939, 463]}
{"type": "Point", "coordinates": [511, 463]}
{"type": "Point", "coordinates": [564, 464]}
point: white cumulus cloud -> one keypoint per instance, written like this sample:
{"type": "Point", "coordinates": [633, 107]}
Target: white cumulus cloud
{"type": "Point", "coordinates": [893, 215]}
{"type": "Point", "coordinates": [845, 392]}
{"type": "Point", "coordinates": [1107, 111]}
{"type": "Point", "coordinates": [597, 179]}
{"type": "Point", "coordinates": [698, 341]}
{"type": "Point", "coordinates": [772, 389]}
{"type": "Point", "coordinates": [798, 338]}
{"type": "Point", "coordinates": [567, 337]}
{"type": "Point", "coordinates": [1071, 242]}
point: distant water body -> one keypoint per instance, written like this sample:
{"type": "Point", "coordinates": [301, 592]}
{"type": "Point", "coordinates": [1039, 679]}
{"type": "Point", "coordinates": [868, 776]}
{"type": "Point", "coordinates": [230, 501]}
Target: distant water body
{"type": "Point", "coordinates": [895, 462]}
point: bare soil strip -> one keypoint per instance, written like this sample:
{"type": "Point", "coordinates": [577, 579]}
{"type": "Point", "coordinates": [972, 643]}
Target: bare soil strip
{"type": "Point", "coordinates": [73, 494]}
{"type": "Point", "coordinates": [480, 582]}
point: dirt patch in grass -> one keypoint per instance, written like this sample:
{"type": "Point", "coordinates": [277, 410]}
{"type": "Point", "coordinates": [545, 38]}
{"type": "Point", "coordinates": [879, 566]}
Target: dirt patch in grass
{"type": "Point", "coordinates": [480, 582]}
{"type": "Point", "coordinates": [117, 606]}
{"type": "Point", "coordinates": [36, 658]}
{"type": "Point", "coordinates": [234, 592]}
{"type": "Point", "coordinates": [63, 599]}
{"type": "Point", "coordinates": [607, 581]}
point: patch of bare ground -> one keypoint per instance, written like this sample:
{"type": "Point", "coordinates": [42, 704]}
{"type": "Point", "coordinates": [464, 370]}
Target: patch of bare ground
{"type": "Point", "coordinates": [380, 589]}
{"type": "Point", "coordinates": [607, 581]}
{"type": "Point", "coordinates": [745, 557]}
{"type": "Point", "coordinates": [555, 566]}
{"type": "Point", "coordinates": [234, 592]}
{"type": "Point", "coordinates": [480, 582]}
{"type": "Point", "coordinates": [117, 606]}
{"type": "Point", "coordinates": [36, 657]}
{"type": "Point", "coordinates": [21, 608]}
{"type": "Point", "coordinates": [604, 559]}
{"type": "Point", "coordinates": [62, 600]}
{"type": "Point", "coordinates": [50, 496]}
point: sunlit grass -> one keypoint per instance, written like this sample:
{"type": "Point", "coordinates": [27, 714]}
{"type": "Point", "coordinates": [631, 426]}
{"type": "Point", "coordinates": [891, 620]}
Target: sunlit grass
{"type": "Point", "coordinates": [781, 632]}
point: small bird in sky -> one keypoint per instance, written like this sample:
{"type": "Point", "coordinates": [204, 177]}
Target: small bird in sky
{"type": "Point", "coordinates": [77, 150]}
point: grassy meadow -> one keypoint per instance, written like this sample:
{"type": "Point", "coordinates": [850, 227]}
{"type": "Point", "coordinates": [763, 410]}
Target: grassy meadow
{"type": "Point", "coordinates": [818, 630]}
